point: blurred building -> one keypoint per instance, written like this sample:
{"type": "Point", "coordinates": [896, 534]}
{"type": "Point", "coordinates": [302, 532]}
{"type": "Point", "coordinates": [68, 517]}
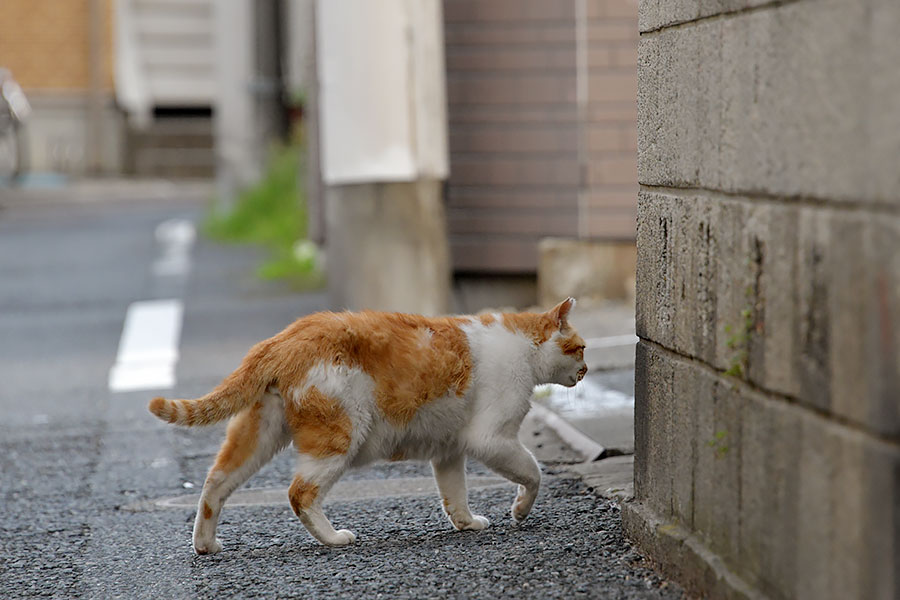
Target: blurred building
{"type": "Point", "coordinates": [542, 126]}
{"type": "Point", "coordinates": [118, 86]}
{"type": "Point", "coordinates": [542, 142]}
{"type": "Point", "coordinates": [61, 53]}
{"type": "Point", "coordinates": [540, 108]}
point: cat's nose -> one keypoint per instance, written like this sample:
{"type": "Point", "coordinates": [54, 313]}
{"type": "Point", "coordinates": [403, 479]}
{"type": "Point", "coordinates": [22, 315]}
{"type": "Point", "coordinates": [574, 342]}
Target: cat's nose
{"type": "Point", "coordinates": [582, 372]}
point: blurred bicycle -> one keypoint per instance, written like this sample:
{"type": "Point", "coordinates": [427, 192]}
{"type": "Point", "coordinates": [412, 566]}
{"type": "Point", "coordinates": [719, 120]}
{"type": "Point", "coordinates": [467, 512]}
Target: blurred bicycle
{"type": "Point", "coordinates": [14, 110]}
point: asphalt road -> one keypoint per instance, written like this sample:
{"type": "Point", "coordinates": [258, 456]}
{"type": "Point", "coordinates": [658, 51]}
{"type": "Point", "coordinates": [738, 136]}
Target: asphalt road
{"type": "Point", "coordinates": [82, 468]}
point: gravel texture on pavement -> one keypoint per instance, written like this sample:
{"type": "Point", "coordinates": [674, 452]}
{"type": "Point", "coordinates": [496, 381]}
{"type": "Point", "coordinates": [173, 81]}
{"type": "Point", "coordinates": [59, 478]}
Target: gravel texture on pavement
{"type": "Point", "coordinates": [61, 536]}
{"type": "Point", "coordinates": [81, 467]}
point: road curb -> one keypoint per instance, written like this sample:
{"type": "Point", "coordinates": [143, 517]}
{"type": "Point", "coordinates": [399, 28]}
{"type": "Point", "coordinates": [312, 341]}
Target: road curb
{"type": "Point", "coordinates": [582, 444]}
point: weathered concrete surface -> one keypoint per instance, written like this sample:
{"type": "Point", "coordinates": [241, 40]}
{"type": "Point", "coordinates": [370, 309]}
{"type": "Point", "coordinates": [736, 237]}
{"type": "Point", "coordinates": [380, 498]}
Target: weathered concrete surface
{"type": "Point", "coordinates": [387, 247]}
{"type": "Point", "coordinates": [611, 478]}
{"type": "Point", "coordinates": [687, 557]}
{"type": "Point", "coordinates": [767, 405]}
{"type": "Point", "coordinates": [792, 100]}
{"type": "Point", "coordinates": [800, 300]}
{"type": "Point", "coordinates": [792, 501]}
{"type": "Point", "coordinates": [655, 14]}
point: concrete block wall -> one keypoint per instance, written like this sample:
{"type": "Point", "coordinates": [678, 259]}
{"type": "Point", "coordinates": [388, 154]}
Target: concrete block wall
{"type": "Point", "coordinates": [768, 296]}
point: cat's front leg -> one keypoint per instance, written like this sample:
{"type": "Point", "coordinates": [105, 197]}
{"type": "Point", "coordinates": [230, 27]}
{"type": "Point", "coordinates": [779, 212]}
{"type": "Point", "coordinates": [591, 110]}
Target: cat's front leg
{"type": "Point", "coordinates": [509, 458]}
{"type": "Point", "coordinates": [450, 474]}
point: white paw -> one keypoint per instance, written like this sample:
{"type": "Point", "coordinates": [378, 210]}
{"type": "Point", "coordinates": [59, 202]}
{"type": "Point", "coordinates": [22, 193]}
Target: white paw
{"type": "Point", "coordinates": [342, 537]}
{"type": "Point", "coordinates": [476, 523]}
{"type": "Point", "coordinates": [207, 547]}
{"type": "Point", "coordinates": [520, 510]}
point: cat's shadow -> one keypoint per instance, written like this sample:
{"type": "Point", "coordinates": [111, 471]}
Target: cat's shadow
{"type": "Point", "coordinates": [386, 540]}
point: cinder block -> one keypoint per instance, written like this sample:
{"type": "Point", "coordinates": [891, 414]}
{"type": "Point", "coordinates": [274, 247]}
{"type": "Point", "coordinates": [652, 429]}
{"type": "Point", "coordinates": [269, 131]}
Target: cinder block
{"type": "Point", "coordinates": [717, 482]}
{"type": "Point", "coordinates": [770, 445]}
{"type": "Point", "coordinates": [677, 270]}
{"type": "Point", "coordinates": [801, 301]}
{"type": "Point", "coordinates": [786, 103]}
{"type": "Point", "coordinates": [848, 508]}
{"type": "Point", "coordinates": [691, 389]}
{"type": "Point", "coordinates": [864, 320]}
{"type": "Point", "coordinates": [653, 304]}
{"type": "Point", "coordinates": [653, 392]}
{"type": "Point", "coordinates": [658, 14]}
{"type": "Point", "coordinates": [648, 14]}
{"type": "Point", "coordinates": [679, 107]}
{"type": "Point", "coordinates": [657, 407]}
{"type": "Point", "coordinates": [641, 421]}
{"type": "Point", "coordinates": [882, 100]}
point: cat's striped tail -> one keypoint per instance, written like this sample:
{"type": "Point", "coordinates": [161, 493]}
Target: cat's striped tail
{"type": "Point", "coordinates": [238, 391]}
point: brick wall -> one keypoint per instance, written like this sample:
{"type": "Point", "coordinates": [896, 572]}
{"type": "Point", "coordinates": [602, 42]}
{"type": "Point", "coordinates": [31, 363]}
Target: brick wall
{"type": "Point", "coordinates": [515, 126]}
{"type": "Point", "coordinates": [610, 142]}
{"type": "Point", "coordinates": [768, 372]}
{"type": "Point", "coordinates": [45, 43]}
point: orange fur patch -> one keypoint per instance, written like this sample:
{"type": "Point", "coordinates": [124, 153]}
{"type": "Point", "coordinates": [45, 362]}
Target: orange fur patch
{"type": "Point", "coordinates": [160, 407]}
{"type": "Point", "coordinates": [302, 494]}
{"type": "Point", "coordinates": [538, 327]}
{"type": "Point", "coordinates": [486, 319]}
{"type": "Point", "coordinates": [190, 411]}
{"type": "Point", "coordinates": [408, 372]}
{"type": "Point", "coordinates": [321, 426]}
{"type": "Point", "coordinates": [207, 511]}
{"type": "Point", "coordinates": [398, 456]}
{"type": "Point", "coordinates": [240, 440]}
{"type": "Point", "coordinates": [572, 345]}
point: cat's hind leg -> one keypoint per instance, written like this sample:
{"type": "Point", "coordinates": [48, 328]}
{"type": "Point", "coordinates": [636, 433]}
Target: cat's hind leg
{"type": "Point", "coordinates": [450, 474]}
{"type": "Point", "coordinates": [253, 437]}
{"type": "Point", "coordinates": [509, 458]}
{"type": "Point", "coordinates": [314, 477]}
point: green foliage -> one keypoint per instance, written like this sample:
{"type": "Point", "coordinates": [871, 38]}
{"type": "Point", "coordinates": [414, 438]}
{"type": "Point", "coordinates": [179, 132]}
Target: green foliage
{"type": "Point", "coordinates": [718, 443]}
{"type": "Point", "coordinates": [739, 342]}
{"type": "Point", "coordinates": [273, 214]}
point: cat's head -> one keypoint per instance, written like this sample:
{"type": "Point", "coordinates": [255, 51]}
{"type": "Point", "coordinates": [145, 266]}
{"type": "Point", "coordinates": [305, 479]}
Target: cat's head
{"type": "Point", "coordinates": [562, 355]}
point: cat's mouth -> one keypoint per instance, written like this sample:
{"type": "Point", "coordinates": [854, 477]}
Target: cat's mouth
{"type": "Point", "coordinates": [578, 377]}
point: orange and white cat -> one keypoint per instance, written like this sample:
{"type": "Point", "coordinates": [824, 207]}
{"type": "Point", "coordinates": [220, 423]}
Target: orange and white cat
{"type": "Point", "coordinates": [351, 388]}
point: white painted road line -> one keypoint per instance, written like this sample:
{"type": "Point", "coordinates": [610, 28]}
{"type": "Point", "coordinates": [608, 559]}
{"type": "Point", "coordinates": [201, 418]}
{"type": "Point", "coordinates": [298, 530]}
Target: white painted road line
{"type": "Point", "coordinates": [175, 238]}
{"type": "Point", "coordinates": [148, 349]}
{"type": "Point", "coordinates": [611, 341]}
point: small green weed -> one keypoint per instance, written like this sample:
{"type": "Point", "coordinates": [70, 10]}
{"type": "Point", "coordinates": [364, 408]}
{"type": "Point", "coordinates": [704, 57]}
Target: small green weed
{"type": "Point", "coordinates": [718, 443]}
{"type": "Point", "coordinates": [273, 213]}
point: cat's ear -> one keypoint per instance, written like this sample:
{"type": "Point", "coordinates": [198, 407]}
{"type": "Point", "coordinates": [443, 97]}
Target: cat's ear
{"type": "Point", "coordinates": [560, 312]}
